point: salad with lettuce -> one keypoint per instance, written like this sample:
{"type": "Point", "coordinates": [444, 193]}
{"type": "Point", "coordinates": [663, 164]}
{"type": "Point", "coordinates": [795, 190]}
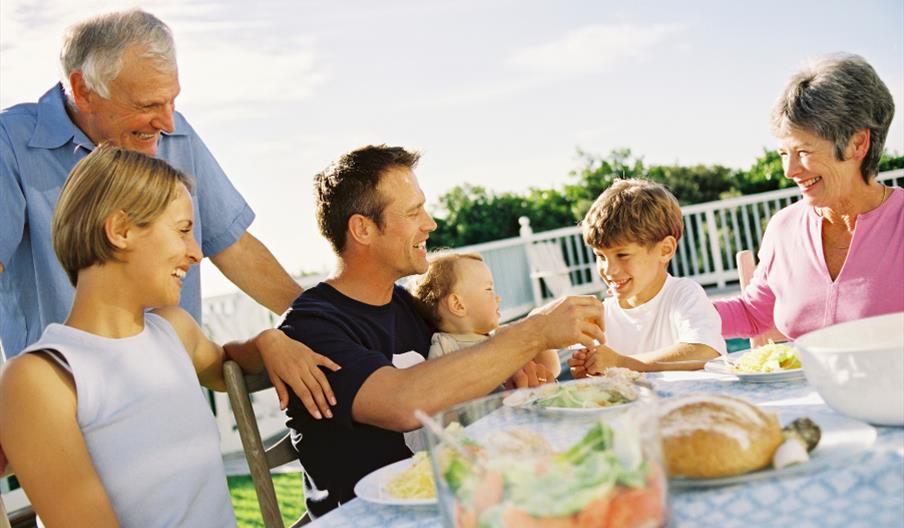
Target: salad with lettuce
{"type": "Point", "coordinates": [773, 357]}
{"type": "Point", "coordinates": [602, 480]}
{"type": "Point", "coordinates": [585, 396]}
{"type": "Point", "coordinates": [592, 393]}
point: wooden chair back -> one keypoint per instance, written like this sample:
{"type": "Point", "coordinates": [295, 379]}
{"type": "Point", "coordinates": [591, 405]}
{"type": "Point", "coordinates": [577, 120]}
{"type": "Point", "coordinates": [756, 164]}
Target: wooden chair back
{"type": "Point", "coordinates": [261, 460]}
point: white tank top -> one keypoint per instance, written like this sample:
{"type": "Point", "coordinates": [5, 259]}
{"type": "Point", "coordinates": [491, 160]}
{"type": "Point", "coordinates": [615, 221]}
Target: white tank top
{"type": "Point", "coordinates": [148, 427]}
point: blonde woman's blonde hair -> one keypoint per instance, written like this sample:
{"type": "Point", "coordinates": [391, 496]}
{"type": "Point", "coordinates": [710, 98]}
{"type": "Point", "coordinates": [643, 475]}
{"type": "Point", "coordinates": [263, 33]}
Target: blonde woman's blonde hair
{"type": "Point", "coordinates": [440, 280]}
{"type": "Point", "coordinates": [106, 181]}
{"type": "Point", "coordinates": [632, 211]}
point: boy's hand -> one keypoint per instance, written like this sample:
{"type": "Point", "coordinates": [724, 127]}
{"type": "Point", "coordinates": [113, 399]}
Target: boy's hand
{"type": "Point", "coordinates": [601, 357]}
{"type": "Point", "coordinates": [290, 362]}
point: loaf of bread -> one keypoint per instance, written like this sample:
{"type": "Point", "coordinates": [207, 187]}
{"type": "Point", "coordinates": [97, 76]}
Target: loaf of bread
{"type": "Point", "coordinates": [713, 435]}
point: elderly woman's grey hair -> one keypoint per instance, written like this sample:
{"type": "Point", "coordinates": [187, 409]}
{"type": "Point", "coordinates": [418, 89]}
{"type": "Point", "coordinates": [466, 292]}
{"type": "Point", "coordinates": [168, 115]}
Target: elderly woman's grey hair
{"type": "Point", "coordinates": [833, 98]}
{"type": "Point", "coordinates": [95, 47]}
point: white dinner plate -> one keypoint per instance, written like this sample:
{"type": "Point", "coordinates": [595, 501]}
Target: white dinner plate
{"type": "Point", "coordinates": [842, 438]}
{"type": "Point", "coordinates": [719, 366]}
{"type": "Point", "coordinates": [372, 487]}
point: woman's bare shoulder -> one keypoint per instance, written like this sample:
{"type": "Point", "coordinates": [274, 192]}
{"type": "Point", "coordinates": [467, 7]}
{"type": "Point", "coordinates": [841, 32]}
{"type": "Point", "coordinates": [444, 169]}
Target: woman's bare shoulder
{"type": "Point", "coordinates": [20, 375]}
{"type": "Point", "coordinates": [32, 367]}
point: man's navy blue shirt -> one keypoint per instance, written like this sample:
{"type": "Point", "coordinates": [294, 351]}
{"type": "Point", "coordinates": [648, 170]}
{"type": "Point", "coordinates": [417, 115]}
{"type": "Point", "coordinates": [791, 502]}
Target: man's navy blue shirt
{"type": "Point", "coordinates": [337, 452]}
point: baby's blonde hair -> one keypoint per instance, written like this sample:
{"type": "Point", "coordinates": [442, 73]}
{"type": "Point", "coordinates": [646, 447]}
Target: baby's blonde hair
{"type": "Point", "coordinates": [440, 280]}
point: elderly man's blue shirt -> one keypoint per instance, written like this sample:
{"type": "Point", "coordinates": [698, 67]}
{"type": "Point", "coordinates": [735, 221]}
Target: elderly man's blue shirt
{"type": "Point", "coordinates": [39, 145]}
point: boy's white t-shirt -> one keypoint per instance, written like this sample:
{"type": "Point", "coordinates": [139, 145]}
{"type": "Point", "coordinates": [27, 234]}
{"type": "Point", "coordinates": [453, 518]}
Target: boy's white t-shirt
{"type": "Point", "coordinates": [679, 313]}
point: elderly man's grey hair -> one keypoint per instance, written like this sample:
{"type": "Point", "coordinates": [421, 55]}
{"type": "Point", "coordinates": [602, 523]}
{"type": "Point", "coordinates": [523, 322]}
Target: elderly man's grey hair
{"type": "Point", "coordinates": [95, 47]}
{"type": "Point", "coordinates": [833, 98]}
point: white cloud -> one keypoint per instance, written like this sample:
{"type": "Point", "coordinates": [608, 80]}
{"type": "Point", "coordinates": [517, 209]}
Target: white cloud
{"type": "Point", "coordinates": [470, 94]}
{"type": "Point", "coordinates": [243, 75]}
{"type": "Point", "coordinates": [593, 48]}
{"type": "Point", "coordinates": [221, 60]}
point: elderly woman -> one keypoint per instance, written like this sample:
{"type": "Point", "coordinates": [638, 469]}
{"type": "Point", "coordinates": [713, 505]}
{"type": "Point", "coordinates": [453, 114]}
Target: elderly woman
{"type": "Point", "coordinates": [837, 254]}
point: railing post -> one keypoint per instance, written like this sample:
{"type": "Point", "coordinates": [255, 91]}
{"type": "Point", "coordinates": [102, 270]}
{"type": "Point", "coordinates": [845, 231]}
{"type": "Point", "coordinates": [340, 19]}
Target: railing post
{"type": "Point", "coordinates": [525, 230]}
{"type": "Point", "coordinates": [526, 235]}
{"type": "Point", "coordinates": [715, 249]}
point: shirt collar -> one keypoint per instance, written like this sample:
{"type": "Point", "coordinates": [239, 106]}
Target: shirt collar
{"type": "Point", "coordinates": [469, 337]}
{"type": "Point", "coordinates": [54, 128]}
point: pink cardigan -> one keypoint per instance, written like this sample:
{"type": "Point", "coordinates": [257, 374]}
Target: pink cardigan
{"type": "Point", "coordinates": [791, 284]}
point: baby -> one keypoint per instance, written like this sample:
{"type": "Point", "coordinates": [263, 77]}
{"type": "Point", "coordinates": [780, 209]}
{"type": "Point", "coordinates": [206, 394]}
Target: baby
{"type": "Point", "coordinates": [653, 321]}
{"type": "Point", "coordinates": [458, 290]}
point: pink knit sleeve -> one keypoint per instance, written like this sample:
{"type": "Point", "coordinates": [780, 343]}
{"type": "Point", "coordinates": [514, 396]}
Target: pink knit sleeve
{"type": "Point", "coordinates": [750, 314]}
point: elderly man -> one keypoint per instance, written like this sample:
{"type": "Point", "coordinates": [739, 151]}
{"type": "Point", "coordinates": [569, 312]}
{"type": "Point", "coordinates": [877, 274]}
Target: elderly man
{"type": "Point", "coordinates": [371, 209]}
{"type": "Point", "coordinates": [120, 83]}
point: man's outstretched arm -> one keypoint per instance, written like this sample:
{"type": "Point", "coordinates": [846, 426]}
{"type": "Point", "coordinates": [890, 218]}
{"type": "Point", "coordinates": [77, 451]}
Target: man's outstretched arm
{"type": "Point", "coordinates": [389, 396]}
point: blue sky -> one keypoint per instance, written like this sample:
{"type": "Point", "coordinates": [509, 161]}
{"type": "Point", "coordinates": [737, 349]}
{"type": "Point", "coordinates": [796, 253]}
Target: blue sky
{"type": "Point", "coordinates": [499, 93]}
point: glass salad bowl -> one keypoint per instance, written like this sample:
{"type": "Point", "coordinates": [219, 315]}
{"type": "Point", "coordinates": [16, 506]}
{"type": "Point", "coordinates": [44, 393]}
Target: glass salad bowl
{"type": "Point", "coordinates": [502, 465]}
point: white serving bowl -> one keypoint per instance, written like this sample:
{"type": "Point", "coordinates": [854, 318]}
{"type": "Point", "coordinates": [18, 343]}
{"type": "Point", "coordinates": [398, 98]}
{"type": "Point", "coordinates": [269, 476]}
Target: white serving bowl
{"type": "Point", "coordinates": [858, 367]}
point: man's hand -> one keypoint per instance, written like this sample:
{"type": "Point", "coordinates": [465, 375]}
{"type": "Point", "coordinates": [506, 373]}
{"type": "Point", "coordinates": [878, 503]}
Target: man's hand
{"type": "Point", "coordinates": [290, 362]}
{"type": "Point", "coordinates": [532, 374]}
{"type": "Point", "coordinates": [570, 320]}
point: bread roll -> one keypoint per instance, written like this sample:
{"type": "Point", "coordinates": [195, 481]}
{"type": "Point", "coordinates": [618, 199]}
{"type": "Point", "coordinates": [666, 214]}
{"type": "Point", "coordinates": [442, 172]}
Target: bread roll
{"type": "Point", "coordinates": [713, 435]}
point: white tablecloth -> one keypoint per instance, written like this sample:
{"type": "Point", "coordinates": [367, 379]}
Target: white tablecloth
{"type": "Point", "coordinates": [866, 490]}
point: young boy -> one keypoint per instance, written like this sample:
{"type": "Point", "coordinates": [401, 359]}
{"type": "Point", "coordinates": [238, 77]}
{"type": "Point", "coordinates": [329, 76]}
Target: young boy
{"type": "Point", "coordinates": [653, 321]}
{"type": "Point", "coordinates": [459, 292]}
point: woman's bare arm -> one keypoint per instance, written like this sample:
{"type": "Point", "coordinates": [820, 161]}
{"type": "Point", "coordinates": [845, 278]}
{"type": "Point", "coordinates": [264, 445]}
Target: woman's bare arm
{"type": "Point", "coordinates": [41, 437]}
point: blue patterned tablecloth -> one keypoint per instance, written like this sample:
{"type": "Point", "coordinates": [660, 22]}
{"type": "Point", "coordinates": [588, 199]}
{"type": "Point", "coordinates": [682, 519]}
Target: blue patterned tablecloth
{"type": "Point", "coordinates": [866, 490]}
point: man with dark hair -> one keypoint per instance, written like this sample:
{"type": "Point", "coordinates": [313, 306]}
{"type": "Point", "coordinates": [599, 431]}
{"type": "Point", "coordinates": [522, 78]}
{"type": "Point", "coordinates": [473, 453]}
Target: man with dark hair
{"type": "Point", "coordinates": [350, 186]}
{"type": "Point", "coordinates": [371, 209]}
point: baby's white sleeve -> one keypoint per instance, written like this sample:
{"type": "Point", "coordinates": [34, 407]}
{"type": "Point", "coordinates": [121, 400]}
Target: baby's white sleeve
{"type": "Point", "coordinates": [441, 344]}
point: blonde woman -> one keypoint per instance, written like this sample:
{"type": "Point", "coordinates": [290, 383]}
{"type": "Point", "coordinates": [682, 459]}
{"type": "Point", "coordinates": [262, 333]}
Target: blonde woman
{"type": "Point", "coordinates": [102, 418]}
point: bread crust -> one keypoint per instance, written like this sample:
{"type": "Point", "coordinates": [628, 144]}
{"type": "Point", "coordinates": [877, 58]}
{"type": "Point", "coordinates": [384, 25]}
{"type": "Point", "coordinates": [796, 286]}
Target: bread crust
{"type": "Point", "coordinates": [713, 435]}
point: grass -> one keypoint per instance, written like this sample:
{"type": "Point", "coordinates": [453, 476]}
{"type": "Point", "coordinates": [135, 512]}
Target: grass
{"type": "Point", "coordinates": [289, 493]}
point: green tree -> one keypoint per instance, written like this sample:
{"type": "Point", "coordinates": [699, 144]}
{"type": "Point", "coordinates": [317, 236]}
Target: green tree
{"type": "Point", "coordinates": [766, 174]}
{"type": "Point", "coordinates": [549, 209]}
{"type": "Point", "coordinates": [472, 214]}
{"type": "Point", "coordinates": [696, 184]}
{"type": "Point", "coordinates": [891, 162]}
{"type": "Point", "coordinates": [595, 174]}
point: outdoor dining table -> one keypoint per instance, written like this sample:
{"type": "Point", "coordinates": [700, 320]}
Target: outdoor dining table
{"type": "Point", "coordinates": [865, 489]}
